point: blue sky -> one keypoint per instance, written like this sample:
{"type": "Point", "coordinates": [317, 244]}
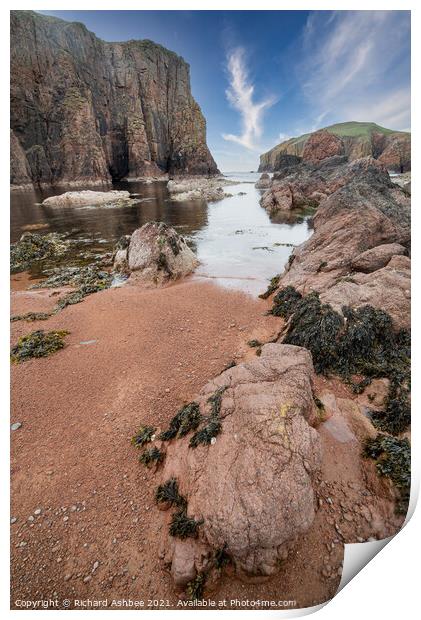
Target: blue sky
{"type": "Point", "coordinates": [261, 77]}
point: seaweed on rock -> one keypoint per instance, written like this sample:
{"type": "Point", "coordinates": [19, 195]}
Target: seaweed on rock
{"type": "Point", "coordinates": [151, 455]}
{"type": "Point", "coordinates": [213, 425]}
{"type": "Point", "coordinates": [393, 460]}
{"type": "Point", "coordinates": [168, 493]}
{"type": "Point", "coordinates": [144, 435]}
{"type": "Point", "coordinates": [360, 341]}
{"type": "Point", "coordinates": [273, 285]}
{"type": "Point", "coordinates": [196, 587]}
{"type": "Point", "coordinates": [186, 420]}
{"type": "Point", "coordinates": [182, 526]}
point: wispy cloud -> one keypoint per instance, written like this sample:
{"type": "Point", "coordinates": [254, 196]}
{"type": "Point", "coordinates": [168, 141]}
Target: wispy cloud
{"type": "Point", "coordinates": [355, 67]}
{"type": "Point", "coordinates": [240, 95]}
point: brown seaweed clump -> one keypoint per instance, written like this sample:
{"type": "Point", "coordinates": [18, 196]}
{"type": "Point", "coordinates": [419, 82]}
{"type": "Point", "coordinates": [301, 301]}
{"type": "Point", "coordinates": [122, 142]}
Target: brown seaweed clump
{"type": "Point", "coordinates": [38, 344]}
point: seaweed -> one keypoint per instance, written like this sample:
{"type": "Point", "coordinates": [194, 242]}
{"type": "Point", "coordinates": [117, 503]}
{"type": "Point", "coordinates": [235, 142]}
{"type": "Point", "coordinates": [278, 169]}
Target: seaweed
{"type": "Point", "coordinates": [143, 435]}
{"type": "Point", "coordinates": [215, 401]}
{"type": "Point", "coordinates": [273, 285]}
{"type": "Point", "coordinates": [213, 424]}
{"type": "Point", "coordinates": [31, 316]}
{"type": "Point", "coordinates": [393, 460]}
{"type": "Point", "coordinates": [168, 493]}
{"type": "Point", "coordinates": [206, 434]}
{"type": "Point", "coordinates": [221, 557]}
{"type": "Point", "coordinates": [182, 526]}
{"type": "Point", "coordinates": [359, 341]}
{"type": "Point", "coordinates": [285, 302]}
{"type": "Point", "coordinates": [187, 419]}
{"type": "Point", "coordinates": [79, 295]}
{"type": "Point", "coordinates": [37, 344]}
{"type": "Point", "coordinates": [195, 588]}
{"type": "Point", "coordinates": [33, 247]}
{"type": "Point", "coordinates": [151, 455]}
{"type": "Point", "coordinates": [90, 275]}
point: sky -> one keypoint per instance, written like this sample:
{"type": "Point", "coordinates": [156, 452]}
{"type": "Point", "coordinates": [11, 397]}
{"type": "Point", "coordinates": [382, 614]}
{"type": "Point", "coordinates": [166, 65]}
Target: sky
{"type": "Point", "coordinates": [261, 77]}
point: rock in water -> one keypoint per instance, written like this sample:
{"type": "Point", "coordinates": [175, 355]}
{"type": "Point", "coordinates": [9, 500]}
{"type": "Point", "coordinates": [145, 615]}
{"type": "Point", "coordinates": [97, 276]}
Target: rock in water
{"type": "Point", "coordinates": [264, 182]}
{"type": "Point", "coordinates": [86, 198]}
{"type": "Point", "coordinates": [252, 483]}
{"type": "Point", "coordinates": [209, 189]}
{"type": "Point", "coordinates": [114, 110]}
{"type": "Point", "coordinates": [155, 254]}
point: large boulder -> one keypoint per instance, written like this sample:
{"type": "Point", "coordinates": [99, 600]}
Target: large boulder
{"type": "Point", "coordinates": [252, 485]}
{"type": "Point", "coordinates": [155, 254]}
{"type": "Point", "coordinates": [321, 145]}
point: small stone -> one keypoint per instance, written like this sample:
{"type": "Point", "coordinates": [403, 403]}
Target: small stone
{"type": "Point", "coordinates": [15, 426]}
{"type": "Point", "coordinates": [23, 543]}
{"type": "Point", "coordinates": [37, 511]}
{"type": "Point", "coordinates": [87, 579]}
{"type": "Point", "coordinates": [329, 500]}
{"type": "Point", "coordinates": [31, 518]}
{"type": "Point", "coordinates": [67, 577]}
{"type": "Point", "coordinates": [13, 520]}
{"type": "Point", "coordinates": [66, 518]}
{"type": "Point", "coordinates": [95, 566]}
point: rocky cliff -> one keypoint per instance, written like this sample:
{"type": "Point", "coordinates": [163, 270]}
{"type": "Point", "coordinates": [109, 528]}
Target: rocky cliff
{"type": "Point", "coordinates": [353, 139]}
{"type": "Point", "coordinates": [84, 110]}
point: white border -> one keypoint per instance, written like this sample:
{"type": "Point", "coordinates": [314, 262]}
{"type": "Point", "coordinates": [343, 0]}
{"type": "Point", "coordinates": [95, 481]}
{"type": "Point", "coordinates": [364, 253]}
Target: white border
{"type": "Point", "coordinates": [387, 586]}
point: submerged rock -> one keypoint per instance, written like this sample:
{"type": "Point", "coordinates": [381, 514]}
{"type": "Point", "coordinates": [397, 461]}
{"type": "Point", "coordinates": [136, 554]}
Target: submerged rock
{"type": "Point", "coordinates": [87, 198]}
{"type": "Point", "coordinates": [155, 254]}
{"type": "Point", "coordinates": [266, 453]}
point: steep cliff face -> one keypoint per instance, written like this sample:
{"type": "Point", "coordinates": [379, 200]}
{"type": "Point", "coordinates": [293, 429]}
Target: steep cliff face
{"type": "Point", "coordinates": [353, 139]}
{"type": "Point", "coordinates": [86, 110]}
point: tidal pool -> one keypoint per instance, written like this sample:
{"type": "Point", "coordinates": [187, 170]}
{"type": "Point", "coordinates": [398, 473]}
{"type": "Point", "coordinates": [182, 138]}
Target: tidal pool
{"type": "Point", "coordinates": [238, 245]}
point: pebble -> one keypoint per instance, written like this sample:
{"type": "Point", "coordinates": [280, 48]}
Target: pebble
{"type": "Point", "coordinates": [87, 578]}
{"type": "Point", "coordinates": [67, 577]}
{"type": "Point", "coordinates": [31, 518]}
{"type": "Point", "coordinates": [15, 426]}
{"type": "Point", "coordinates": [37, 511]}
{"type": "Point", "coordinates": [66, 518]}
{"type": "Point", "coordinates": [13, 520]}
{"type": "Point", "coordinates": [95, 566]}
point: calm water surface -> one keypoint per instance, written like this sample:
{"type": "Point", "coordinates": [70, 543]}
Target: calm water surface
{"type": "Point", "coordinates": [238, 245]}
